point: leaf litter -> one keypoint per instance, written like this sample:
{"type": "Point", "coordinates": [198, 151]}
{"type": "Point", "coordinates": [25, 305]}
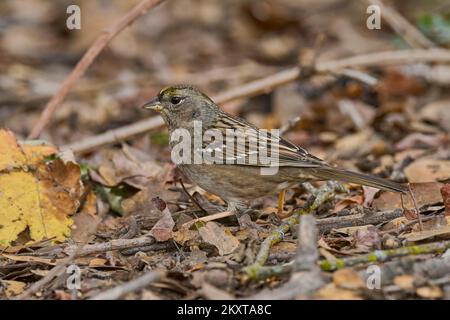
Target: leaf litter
{"type": "Point", "coordinates": [397, 129]}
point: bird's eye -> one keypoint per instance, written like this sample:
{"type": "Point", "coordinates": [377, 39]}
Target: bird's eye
{"type": "Point", "coordinates": [175, 100]}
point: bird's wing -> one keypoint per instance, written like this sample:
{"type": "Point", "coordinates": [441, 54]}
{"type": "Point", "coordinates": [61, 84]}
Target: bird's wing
{"type": "Point", "coordinates": [256, 144]}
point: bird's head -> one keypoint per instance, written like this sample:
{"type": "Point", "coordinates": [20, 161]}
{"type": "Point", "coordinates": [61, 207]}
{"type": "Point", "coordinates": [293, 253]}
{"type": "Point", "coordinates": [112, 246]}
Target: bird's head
{"type": "Point", "coordinates": [181, 105]}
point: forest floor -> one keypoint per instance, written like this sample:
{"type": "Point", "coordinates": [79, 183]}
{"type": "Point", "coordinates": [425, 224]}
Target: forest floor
{"type": "Point", "coordinates": [92, 202]}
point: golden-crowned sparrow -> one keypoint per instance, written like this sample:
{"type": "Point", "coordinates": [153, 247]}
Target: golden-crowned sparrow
{"type": "Point", "coordinates": [237, 183]}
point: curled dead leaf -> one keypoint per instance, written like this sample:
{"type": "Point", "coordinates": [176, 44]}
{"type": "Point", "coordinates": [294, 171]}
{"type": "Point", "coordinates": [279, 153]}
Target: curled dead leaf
{"type": "Point", "coordinates": [219, 237]}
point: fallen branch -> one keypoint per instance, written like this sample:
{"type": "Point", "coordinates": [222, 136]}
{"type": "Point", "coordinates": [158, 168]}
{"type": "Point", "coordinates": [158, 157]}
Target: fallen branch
{"type": "Point", "coordinates": [370, 258]}
{"type": "Point", "coordinates": [267, 84]}
{"type": "Point", "coordinates": [132, 286]}
{"type": "Point", "coordinates": [354, 220]}
{"type": "Point", "coordinates": [383, 255]}
{"type": "Point", "coordinates": [100, 43]}
{"type": "Point", "coordinates": [325, 193]}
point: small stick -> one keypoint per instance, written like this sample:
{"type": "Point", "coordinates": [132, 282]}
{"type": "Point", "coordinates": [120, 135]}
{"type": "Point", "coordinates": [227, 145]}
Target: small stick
{"type": "Point", "coordinates": [416, 207]}
{"type": "Point", "coordinates": [192, 198]}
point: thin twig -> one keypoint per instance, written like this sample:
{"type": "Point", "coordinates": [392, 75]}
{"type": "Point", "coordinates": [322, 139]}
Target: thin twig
{"type": "Point", "coordinates": [94, 50]}
{"type": "Point", "coordinates": [326, 224]}
{"type": "Point", "coordinates": [192, 198]}
{"type": "Point", "coordinates": [211, 217]}
{"type": "Point", "coordinates": [128, 287]}
{"type": "Point", "coordinates": [411, 193]}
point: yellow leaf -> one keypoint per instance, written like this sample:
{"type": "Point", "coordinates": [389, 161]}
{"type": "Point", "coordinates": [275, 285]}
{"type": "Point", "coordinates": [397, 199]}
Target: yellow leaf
{"type": "Point", "coordinates": [33, 194]}
{"type": "Point", "coordinates": [11, 155]}
{"type": "Point", "coordinates": [13, 288]}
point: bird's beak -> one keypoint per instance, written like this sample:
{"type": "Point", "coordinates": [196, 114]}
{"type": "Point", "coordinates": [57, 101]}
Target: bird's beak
{"type": "Point", "coordinates": [154, 105]}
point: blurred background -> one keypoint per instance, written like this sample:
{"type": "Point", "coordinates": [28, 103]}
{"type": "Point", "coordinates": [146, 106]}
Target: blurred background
{"type": "Point", "coordinates": [216, 45]}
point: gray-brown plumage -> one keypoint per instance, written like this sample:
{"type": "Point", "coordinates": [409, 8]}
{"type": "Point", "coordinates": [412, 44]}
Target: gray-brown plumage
{"type": "Point", "coordinates": [236, 183]}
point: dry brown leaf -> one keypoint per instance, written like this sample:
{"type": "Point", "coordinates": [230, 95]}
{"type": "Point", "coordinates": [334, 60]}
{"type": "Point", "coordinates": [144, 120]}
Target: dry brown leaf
{"type": "Point", "coordinates": [344, 203]}
{"type": "Point", "coordinates": [417, 140]}
{"type": "Point", "coordinates": [396, 223]}
{"type": "Point", "coordinates": [445, 192]}
{"type": "Point", "coordinates": [184, 235]}
{"type": "Point", "coordinates": [35, 194]}
{"type": "Point", "coordinates": [437, 112]}
{"type": "Point", "coordinates": [162, 230]}
{"type": "Point", "coordinates": [356, 144]}
{"type": "Point", "coordinates": [332, 292]}
{"type": "Point", "coordinates": [367, 240]}
{"type": "Point", "coordinates": [97, 262]}
{"type": "Point", "coordinates": [129, 166]}
{"type": "Point", "coordinates": [395, 84]}
{"type": "Point", "coordinates": [284, 247]}
{"type": "Point", "coordinates": [441, 233]}
{"type": "Point", "coordinates": [369, 195]}
{"type": "Point", "coordinates": [86, 221]}
{"type": "Point", "coordinates": [84, 226]}
{"type": "Point", "coordinates": [348, 279]}
{"type": "Point", "coordinates": [429, 292]}
{"type": "Point", "coordinates": [404, 281]}
{"type": "Point", "coordinates": [427, 193]}
{"type": "Point", "coordinates": [51, 262]}
{"type": "Point", "coordinates": [141, 202]}
{"type": "Point", "coordinates": [427, 170]}
{"type": "Point", "coordinates": [219, 237]}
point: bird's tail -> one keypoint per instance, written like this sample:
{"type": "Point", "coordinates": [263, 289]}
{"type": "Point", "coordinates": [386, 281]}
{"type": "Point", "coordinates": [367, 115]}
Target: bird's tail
{"type": "Point", "coordinates": [331, 173]}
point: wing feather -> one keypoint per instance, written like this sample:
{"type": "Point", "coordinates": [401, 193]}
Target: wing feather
{"type": "Point", "coordinates": [289, 154]}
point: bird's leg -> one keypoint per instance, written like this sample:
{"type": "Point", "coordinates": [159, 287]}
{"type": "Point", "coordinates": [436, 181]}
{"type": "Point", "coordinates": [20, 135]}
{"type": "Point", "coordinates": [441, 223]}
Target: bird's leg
{"type": "Point", "coordinates": [281, 203]}
{"type": "Point", "coordinates": [242, 212]}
